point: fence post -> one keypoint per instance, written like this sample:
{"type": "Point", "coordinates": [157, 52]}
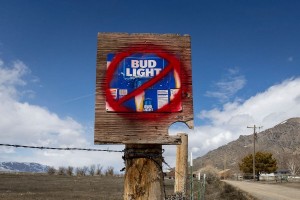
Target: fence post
{"type": "Point", "coordinates": [144, 175]}
{"type": "Point", "coordinates": [199, 186]}
{"type": "Point", "coordinates": [192, 180]}
{"type": "Point", "coordinates": [204, 179]}
{"type": "Point", "coordinates": [181, 165]}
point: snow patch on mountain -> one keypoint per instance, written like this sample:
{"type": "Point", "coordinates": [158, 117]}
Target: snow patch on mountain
{"type": "Point", "coordinates": [23, 167]}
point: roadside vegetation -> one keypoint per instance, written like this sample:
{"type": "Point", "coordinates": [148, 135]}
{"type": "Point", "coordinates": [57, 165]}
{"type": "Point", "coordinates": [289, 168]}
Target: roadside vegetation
{"type": "Point", "coordinates": [214, 188]}
{"type": "Point", "coordinates": [264, 163]}
{"type": "Point", "coordinates": [93, 170]}
{"type": "Point", "coordinates": [217, 189]}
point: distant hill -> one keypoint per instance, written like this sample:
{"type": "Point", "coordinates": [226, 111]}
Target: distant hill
{"type": "Point", "coordinates": [22, 167]}
{"type": "Point", "coordinates": [283, 140]}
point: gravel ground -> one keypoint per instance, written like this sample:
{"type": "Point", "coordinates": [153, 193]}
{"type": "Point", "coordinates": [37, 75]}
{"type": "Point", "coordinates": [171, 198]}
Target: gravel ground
{"type": "Point", "coordinates": [283, 191]}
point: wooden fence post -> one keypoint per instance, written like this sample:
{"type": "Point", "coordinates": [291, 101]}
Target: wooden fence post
{"type": "Point", "coordinates": [181, 165]}
{"type": "Point", "coordinates": [144, 175]}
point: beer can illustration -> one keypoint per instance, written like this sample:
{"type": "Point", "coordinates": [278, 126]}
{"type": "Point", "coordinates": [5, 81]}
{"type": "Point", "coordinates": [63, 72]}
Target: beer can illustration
{"type": "Point", "coordinates": [139, 99]}
{"type": "Point", "coordinates": [148, 105]}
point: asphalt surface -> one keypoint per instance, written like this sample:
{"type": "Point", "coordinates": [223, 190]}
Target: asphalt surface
{"type": "Point", "coordinates": [267, 191]}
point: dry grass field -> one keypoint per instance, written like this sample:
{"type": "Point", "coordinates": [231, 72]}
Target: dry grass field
{"type": "Point", "coordinates": [60, 187]}
{"type": "Point", "coordinates": [46, 187]}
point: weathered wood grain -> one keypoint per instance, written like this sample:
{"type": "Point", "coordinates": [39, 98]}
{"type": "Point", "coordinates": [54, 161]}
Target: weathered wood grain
{"type": "Point", "coordinates": [181, 165]}
{"type": "Point", "coordinates": [129, 128]}
{"type": "Point", "coordinates": [144, 176]}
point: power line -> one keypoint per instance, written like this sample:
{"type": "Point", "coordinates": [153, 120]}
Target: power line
{"type": "Point", "coordinates": [61, 149]}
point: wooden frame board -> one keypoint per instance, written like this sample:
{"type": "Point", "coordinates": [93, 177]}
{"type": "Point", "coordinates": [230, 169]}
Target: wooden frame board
{"type": "Point", "coordinates": [122, 127]}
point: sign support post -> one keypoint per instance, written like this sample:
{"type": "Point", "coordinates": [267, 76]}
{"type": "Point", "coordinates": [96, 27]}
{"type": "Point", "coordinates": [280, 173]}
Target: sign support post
{"type": "Point", "coordinates": [181, 165]}
{"type": "Point", "coordinates": [144, 175]}
{"type": "Point", "coordinates": [143, 85]}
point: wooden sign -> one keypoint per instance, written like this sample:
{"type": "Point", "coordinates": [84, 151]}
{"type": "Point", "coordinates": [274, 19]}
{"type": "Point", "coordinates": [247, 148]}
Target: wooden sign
{"type": "Point", "coordinates": [143, 85]}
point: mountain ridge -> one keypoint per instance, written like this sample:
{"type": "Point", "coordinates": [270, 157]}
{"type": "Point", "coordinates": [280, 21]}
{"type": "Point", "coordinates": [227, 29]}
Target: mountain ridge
{"type": "Point", "coordinates": [282, 140]}
{"type": "Point", "coordinates": [23, 167]}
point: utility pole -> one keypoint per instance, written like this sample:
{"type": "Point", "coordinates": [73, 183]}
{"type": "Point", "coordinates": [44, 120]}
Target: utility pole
{"type": "Point", "coordinates": [254, 137]}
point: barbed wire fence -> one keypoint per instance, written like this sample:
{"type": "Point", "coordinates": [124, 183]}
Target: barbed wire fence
{"type": "Point", "coordinates": [151, 157]}
{"type": "Point", "coordinates": [60, 148]}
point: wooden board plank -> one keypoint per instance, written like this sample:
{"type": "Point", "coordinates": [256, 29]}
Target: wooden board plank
{"type": "Point", "coordinates": [131, 128]}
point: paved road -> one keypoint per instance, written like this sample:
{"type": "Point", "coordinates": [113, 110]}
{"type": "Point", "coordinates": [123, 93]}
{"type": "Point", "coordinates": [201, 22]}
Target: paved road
{"type": "Point", "coordinates": [267, 191]}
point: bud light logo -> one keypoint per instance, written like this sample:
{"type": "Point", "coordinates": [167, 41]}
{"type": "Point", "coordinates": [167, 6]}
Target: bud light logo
{"type": "Point", "coordinates": [136, 70]}
{"type": "Point", "coordinates": [143, 68]}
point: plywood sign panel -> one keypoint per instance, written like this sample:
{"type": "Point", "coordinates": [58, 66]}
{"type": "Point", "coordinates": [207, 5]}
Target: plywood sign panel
{"type": "Point", "coordinates": [143, 85]}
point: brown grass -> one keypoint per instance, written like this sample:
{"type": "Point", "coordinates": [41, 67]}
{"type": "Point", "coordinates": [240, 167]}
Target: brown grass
{"type": "Point", "coordinates": [46, 187]}
{"type": "Point", "coordinates": [37, 186]}
{"type": "Point", "coordinates": [53, 187]}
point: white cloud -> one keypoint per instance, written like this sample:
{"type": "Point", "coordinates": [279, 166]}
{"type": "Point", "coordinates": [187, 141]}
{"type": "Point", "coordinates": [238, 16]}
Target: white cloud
{"type": "Point", "coordinates": [27, 124]}
{"type": "Point", "coordinates": [278, 100]}
{"type": "Point", "coordinates": [24, 123]}
{"type": "Point", "coordinates": [228, 86]}
{"type": "Point", "coordinates": [267, 109]}
{"type": "Point", "coordinates": [10, 77]}
{"type": "Point", "coordinates": [290, 59]}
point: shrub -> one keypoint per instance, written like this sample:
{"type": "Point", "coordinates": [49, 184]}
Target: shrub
{"type": "Point", "coordinates": [212, 174]}
{"type": "Point", "coordinates": [61, 171]}
{"type": "Point", "coordinates": [92, 170]}
{"type": "Point", "coordinates": [69, 171]}
{"type": "Point", "coordinates": [99, 170]}
{"type": "Point", "coordinates": [109, 171]}
{"type": "Point", "coordinates": [81, 171]}
{"type": "Point", "coordinates": [51, 171]}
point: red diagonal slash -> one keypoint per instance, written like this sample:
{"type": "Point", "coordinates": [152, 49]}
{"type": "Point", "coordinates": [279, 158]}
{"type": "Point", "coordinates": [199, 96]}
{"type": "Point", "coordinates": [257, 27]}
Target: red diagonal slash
{"type": "Point", "coordinates": [147, 84]}
{"type": "Point", "coordinates": [174, 64]}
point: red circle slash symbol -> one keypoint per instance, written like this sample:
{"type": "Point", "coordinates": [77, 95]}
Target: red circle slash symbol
{"type": "Point", "coordinates": [173, 64]}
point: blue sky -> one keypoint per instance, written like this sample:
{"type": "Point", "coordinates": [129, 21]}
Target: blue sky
{"type": "Point", "coordinates": [244, 54]}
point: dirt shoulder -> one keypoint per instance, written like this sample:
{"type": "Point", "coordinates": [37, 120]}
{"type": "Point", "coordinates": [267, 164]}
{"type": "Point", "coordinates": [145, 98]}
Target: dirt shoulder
{"type": "Point", "coordinates": [267, 191]}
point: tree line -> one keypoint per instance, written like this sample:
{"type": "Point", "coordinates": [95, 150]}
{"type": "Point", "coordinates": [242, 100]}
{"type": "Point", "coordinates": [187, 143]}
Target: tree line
{"type": "Point", "coordinates": [92, 170]}
{"type": "Point", "coordinates": [266, 163]}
